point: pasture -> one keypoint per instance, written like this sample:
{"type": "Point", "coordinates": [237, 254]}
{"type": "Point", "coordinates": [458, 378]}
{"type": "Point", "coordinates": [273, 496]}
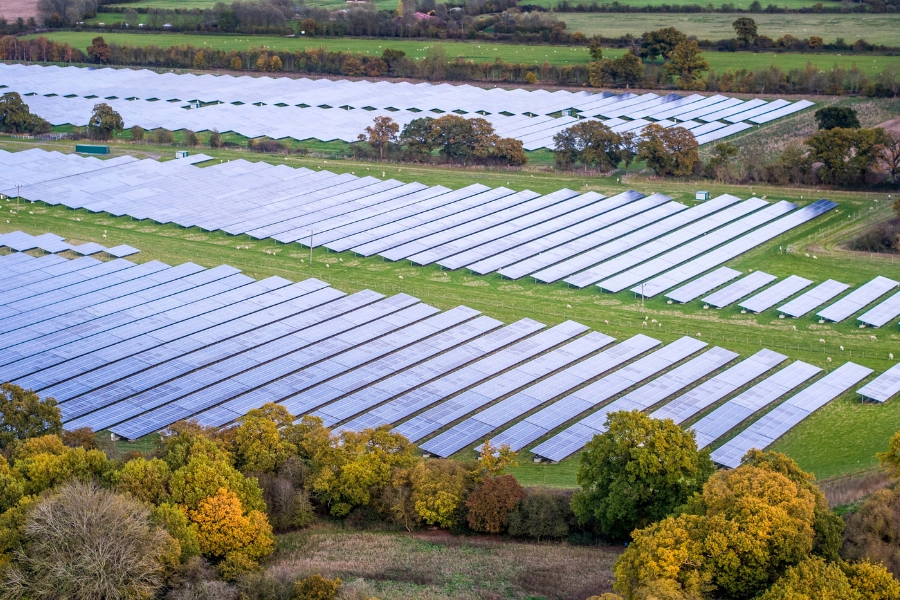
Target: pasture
{"type": "Point", "coordinates": [389, 4]}
{"type": "Point", "coordinates": [478, 51]}
{"type": "Point", "coordinates": [841, 438]}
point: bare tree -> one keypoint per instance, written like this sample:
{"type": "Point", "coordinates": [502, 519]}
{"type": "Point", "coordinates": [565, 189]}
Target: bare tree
{"type": "Point", "coordinates": [891, 155]}
{"type": "Point", "coordinates": [87, 543]}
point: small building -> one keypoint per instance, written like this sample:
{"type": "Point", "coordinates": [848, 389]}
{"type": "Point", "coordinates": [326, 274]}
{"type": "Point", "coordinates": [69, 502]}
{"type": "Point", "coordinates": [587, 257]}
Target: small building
{"type": "Point", "coordinates": [701, 196]}
{"type": "Point", "coordinates": [182, 154]}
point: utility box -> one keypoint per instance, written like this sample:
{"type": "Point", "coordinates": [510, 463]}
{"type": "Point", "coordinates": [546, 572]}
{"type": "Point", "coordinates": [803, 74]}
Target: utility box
{"type": "Point", "coordinates": [182, 154]}
{"type": "Point", "coordinates": [90, 149]}
{"type": "Point", "coordinates": [702, 196]}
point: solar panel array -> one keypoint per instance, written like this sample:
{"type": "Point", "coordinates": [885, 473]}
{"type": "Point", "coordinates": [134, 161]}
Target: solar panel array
{"type": "Point", "coordinates": [583, 237]}
{"type": "Point", "coordinates": [132, 348]}
{"type": "Point", "coordinates": [737, 290]}
{"type": "Point", "coordinates": [51, 243]}
{"type": "Point", "coordinates": [815, 297]}
{"type": "Point", "coordinates": [775, 294]}
{"type": "Point", "coordinates": [884, 387]}
{"type": "Point", "coordinates": [328, 110]}
{"type": "Point", "coordinates": [857, 299]}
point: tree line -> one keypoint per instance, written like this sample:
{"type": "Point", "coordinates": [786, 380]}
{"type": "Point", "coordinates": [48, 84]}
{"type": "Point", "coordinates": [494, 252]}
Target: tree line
{"type": "Point", "coordinates": [77, 520]}
{"type": "Point", "coordinates": [437, 66]}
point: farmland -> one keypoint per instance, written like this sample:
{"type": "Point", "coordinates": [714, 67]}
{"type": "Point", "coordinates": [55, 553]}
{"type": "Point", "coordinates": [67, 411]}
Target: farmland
{"type": "Point", "coordinates": [813, 443]}
{"type": "Point", "coordinates": [477, 51]}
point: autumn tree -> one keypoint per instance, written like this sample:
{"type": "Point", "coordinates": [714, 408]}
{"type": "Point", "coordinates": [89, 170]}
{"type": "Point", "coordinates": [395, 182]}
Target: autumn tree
{"type": "Point", "coordinates": [831, 117]}
{"type": "Point", "coordinates": [381, 134]}
{"type": "Point", "coordinates": [847, 155]}
{"type": "Point", "coordinates": [816, 578]}
{"type": "Point", "coordinates": [45, 462]}
{"type": "Point", "coordinates": [104, 122]}
{"type": "Point", "coordinates": [12, 487]}
{"type": "Point", "coordinates": [24, 414]}
{"type": "Point", "coordinates": [628, 69]}
{"type": "Point", "coordinates": [85, 542]}
{"type": "Point", "coordinates": [99, 51]}
{"type": "Point", "coordinates": [490, 503]}
{"type": "Point", "coordinates": [746, 31]}
{"type": "Point", "coordinates": [316, 587]}
{"type": "Point", "coordinates": [348, 469]}
{"type": "Point", "coordinates": [226, 531]}
{"type": "Point", "coordinates": [660, 43]}
{"type": "Point", "coordinates": [688, 65]}
{"type": "Point", "coordinates": [439, 488]}
{"type": "Point", "coordinates": [668, 151]}
{"type": "Point", "coordinates": [736, 538]}
{"type": "Point", "coordinates": [215, 139]}
{"type": "Point", "coordinates": [259, 441]}
{"type": "Point", "coordinates": [146, 480]}
{"type": "Point", "coordinates": [636, 473]}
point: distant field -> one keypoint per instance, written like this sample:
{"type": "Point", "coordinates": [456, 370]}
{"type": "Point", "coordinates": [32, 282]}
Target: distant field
{"type": "Point", "coordinates": [390, 4]}
{"type": "Point", "coordinates": [875, 28]}
{"type": "Point", "coordinates": [477, 51]}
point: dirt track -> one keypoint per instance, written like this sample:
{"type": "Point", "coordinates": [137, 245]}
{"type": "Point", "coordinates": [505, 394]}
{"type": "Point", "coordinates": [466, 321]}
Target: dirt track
{"type": "Point", "coordinates": [891, 125]}
{"type": "Point", "coordinates": [13, 9]}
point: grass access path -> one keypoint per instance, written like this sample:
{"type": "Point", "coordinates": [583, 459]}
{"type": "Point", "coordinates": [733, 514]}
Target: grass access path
{"type": "Point", "coordinates": [841, 438]}
{"type": "Point", "coordinates": [476, 51]}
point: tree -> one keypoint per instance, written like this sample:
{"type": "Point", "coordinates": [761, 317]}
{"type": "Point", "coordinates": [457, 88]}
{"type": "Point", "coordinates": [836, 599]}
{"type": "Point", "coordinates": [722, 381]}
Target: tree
{"type": "Point", "coordinates": [146, 480]}
{"type": "Point", "coordinates": [163, 137]}
{"type": "Point", "coordinates": [224, 529]}
{"type": "Point", "coordinates": [591, 143]}
{"type": "Point", "coordinates": [668, 151]}
{"type": "Point", "coordinates": [381, 134]}
{"type": "Point", "coordinates": [99, 51]}
{"type": "Point", "coordinates": [59, 13]}
{"type": "Point", "coordinates": [540, 515]}
{"type": "Point", "coordinates": [627, 69]}
{"type": "Point", "coordinates": [490, 503]}
{"type": "Point", "coordinates": [175, 521]}
{"type": "Point", "coordinates": [190, 138]}
{"type": "Point", "coordinates": [23, 415]}
{"type": "Point", "coordinates": [733, 540]}
{"type": "Point", "coordinates": [258, 443]}
{"type": "Point", "coordinates": [831, 117]}
{"type": "Point", "coordinates": [530, 78]}
{"type": "Point", "coordinates": [316, 587]}
{"type": "Point", "coordinates": [687, 63]}
{"type": "Point", "coordinates": [417, 137]}
{"type": "Point", "coordinates": [15, 116]}
{"type": "Point", "coordinates": [636, 473]}
{"type": "Point", "coordinates": [595, 49]}
{"type": "Point", "coordinates": [846, 154]}
{"type": "Point", "coordinates": [137, 133]}
{"type": "Point", "coordinates": [746, 31]}
{"type": "Point", "coordinates": [84, 542]}
{"type": "Point", "coordinates": [11, 486]}
{"type": "Point", "coordinates": [891, 158]}
{"type": "Point", "coordinates": [660, 42]}
{"type": "Point", "coordinates": [509, 152]}
{"type": "Point", "coordinates": [438, 490]}
{"type": "Point", "coordinates": [390, 56]}
{"type": "Point", "coordinates": [236, 63]}
{"type": "Point", "coordinates": [720, 159]}
{"type": "Point", "coordinates": [45, 462]}
{"type": "Point", "coordinates": [812, 578]}
{"type": "Point", "coordinates": [104, 122]}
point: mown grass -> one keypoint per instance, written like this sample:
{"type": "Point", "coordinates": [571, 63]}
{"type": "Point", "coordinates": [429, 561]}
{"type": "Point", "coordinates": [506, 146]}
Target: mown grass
{"type": "Point", "coordinates": [488, 52]}
{"type": "Point", "coordinates": [438, 566]}
{"type": "Point", "coordinates": [841, 438]}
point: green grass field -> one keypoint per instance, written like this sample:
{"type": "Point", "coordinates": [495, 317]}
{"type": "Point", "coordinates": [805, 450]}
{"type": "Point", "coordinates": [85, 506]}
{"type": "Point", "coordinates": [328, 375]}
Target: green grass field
{"type": "Point", "coordinates": [390, 4]}
{"type": "Point", "coordinates": [477, 51]}
{"type": "Point", "coordinates": [839, 439]}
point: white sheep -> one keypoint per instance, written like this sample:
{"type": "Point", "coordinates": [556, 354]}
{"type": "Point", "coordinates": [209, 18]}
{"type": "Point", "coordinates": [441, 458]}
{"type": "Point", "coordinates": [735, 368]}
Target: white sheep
{"type": "Point", "coordinates": [873, 338]}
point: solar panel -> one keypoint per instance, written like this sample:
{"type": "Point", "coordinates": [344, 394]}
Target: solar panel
{"type": "Point", "coordinates": [775, 294]}
{"type": "Point", "coordinates": [858, 299]}
{"type": "Point", "coordinates": [732, 413]}
{"type": "Point", "coordinates": [709, 392]}
{"type": "Point", "coordinates": [574, 438]}
{"type": "Point", "coordinates": [737, 290]}
{"type": "Point", "coordinates": [882, 313]}
{"type": "Point", "coordinates": [703, 284]}
{"type": "Point", "coordinates": [884, 387]}
{"type": "Point", "coordinates": [817, 296]}
{"type": "Point", "coordinates": [792, 411]}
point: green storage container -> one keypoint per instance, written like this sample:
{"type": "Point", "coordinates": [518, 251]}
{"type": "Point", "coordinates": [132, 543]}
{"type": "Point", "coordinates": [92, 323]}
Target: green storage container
{"type": "Point", "coordinates": [90, 149]}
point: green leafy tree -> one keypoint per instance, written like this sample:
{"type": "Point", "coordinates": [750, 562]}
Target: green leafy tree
{"type": "Point", "coordinates": [831, 117]}
{"type": "Point", "coordinates": [146, 480]}
{"type": "Point", "coordinates": [137, 133]}
{"type": "Point", "coordinates": [591, 143]}
{"type": "Point", "coordinates": [628, 69]}
{"type": "Point", "coordinates": [746, 31]}
{"type": "Point", "coordinates": [23, 415]}
{"type": "Point", "coordinates": [15, 116]}
{"type": "Point", "coordinates": [542, 514]}
{"type": "Point", "coordinates": [686, 62]}
{"type": "Point", "coordinates": [595, 49]}
{"type": "Point", "coordinates": [417, 137]}
{"type": "Point", "coordinates": [660, 43]}
{"type": "Point", "coordinates": [175, 521]}
{"type": "Point", "coordinates": [45, 462]}
{"type": "Point", "coordinates": [637, 472]}
{"type": "Point", "coordinates": [12, 487]}
{"type": "Point", "coordinates": [258, 442]}
{"type": "Point", "coordinates": [104, 122]}
{"type": "Point", "coordinates": [847, 155]}
{"type": "Point", "coordinates": [668, 151]}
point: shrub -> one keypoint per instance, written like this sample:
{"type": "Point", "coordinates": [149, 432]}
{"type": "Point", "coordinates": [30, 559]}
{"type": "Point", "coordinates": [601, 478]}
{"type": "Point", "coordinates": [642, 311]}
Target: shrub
{"type": "Point", "coordinates": [316, 587]}
{"type": "Point", "coordinates": [164, 137]}
{"type": "Point", "coordinates": [540, 515]}
{"type": "Point", "coordinates": [137, 133]}
{"type": "Point", "coordinates": [268, 146]}
{"type": "Point", "coordinates": [215, 139]}
{"type": "Point", "coordinates": [190, 138]}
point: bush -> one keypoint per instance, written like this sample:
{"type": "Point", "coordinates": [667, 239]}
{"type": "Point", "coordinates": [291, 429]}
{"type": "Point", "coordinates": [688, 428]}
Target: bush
{"type": "Point", "coordinates": [163, 137]}
{"type": "Point", "coordinates": [190, 138]}
{"type": "Point", "coordinates": [267, 146]}
{"type": "Point", "coordinates": [316, 587]}
{"type": "Point", "coordinates": [881, 237]}
{"type": "Point", "coordinates": [873, 532]}
{"type": "Point", "coordinates": [540, 515]}
{"type": "Point", "coordinates": [491, 502]}
{"type": "Point", "coordinates": [137, 133]}
{"type": "Point", "coordinates": [215, 139]}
